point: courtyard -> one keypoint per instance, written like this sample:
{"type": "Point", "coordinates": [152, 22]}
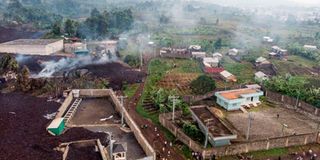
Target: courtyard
{"type": "Point", "coordinates": [271, 121]}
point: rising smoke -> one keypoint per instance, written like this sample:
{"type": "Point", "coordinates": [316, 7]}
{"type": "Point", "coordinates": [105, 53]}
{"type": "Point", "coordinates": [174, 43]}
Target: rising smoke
{"type": "Point", "coordinates": [67, 64]}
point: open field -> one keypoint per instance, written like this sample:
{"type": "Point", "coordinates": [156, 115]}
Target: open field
{"type": "Point", "coordinates": [291, 153]}
{"type": "Point", "coordinates": [243, 71]}
{"type": "Point", "coordinates": [295, 65]}
{"type": "Point", "coordinates": [273, 126]}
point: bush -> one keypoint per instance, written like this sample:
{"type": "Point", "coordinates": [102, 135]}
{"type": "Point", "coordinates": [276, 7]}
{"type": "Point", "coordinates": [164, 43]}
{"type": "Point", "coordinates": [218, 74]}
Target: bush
{"type": "Point", "coordinates": [202, 85]}
{"type": "Point", "coordinates": [132, 60]}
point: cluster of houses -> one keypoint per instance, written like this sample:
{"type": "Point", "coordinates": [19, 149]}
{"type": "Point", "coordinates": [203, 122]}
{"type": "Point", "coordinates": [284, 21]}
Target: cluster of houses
{"type": "Point", "coordinates": [211, 63]}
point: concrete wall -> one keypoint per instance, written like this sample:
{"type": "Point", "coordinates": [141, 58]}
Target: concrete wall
{"type": "Point", "coordinates": [292, 103]}
{"type": "Point", "coordinates": [238, 148]}
{"type": "Point", "coordinates": [54, 47]}
{"type": "Point", "coordinates": [66, 103]}
{"type": "Point", "coordinates": [105, 93]}
{"type": "Point", "coordinates": [133, 126]}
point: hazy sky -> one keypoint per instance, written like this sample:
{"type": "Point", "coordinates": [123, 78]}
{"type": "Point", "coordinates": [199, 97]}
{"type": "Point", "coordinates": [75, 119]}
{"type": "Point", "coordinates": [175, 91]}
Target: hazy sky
{"type": "Point", "coordinates": [313, 3]}
{"type": "Point", "coordinates": [307, 1]}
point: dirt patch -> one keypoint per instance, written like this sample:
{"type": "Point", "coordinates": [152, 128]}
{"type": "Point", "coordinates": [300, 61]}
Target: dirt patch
{"type": "Point", "coordinates": [297, 123]}
{"type": "Point", "coordinates": [91, 110]}
{"type": "Point", "coordinates": [23, 129]}
{"type": "Point", "coordinates": [78, 152]}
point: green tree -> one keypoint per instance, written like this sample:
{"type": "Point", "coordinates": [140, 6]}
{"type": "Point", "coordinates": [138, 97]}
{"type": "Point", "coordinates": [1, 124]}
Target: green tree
{"type": "Point", "coordinates": [69, 27]}
{"type": "Point", "coordinates": [132, 60]}
{"type": "Point", "coordinates": [192, 131]}
{"type": "Point", "coordinates": [202, 85]}
{"type": "Point", "coordinates": [24, 81]}
{"type": "Point", "coordinates": [56, 29]}
{"type": "Point", "coordinates": [8, 63]}
{"type": "Point", "coordinates": [218, 44]}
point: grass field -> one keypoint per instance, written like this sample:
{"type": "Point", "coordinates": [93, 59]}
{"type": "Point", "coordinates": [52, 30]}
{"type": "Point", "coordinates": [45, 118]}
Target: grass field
{"type": "Point", "coordinates": [130, 89]}
{"type": "Point", "coordinates": [244, 71]}
{"type": "Point", "coordinates": [275, 153]}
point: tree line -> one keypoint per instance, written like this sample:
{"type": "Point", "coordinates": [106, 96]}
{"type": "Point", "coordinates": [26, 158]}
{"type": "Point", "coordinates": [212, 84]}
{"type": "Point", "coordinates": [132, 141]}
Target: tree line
{"type": "Point", "coordinates": [295, 87]}
{"type": "Point", "coordinates": [97, 26]}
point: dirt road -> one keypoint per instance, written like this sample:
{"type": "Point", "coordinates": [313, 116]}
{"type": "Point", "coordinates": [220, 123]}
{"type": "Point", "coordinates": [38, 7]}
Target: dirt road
{"type": "Point", "coordinates": [155, 137]}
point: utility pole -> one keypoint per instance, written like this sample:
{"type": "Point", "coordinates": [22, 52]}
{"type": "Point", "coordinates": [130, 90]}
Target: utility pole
{"type": "Point", "coordinates": [249, 125]}
{"type": "Point", "coordinates": [174, 100]}
{"type": "Point", "coordinates": [284, 126]}
{"type": "Point", "coordinates": [122, 108]}
{"type": "Point", "coordinates": [111, 143]}
{"type": "Point", "coordinates": [297, 102]}
{"type": "Point", "coordinates": [141, 59]}
{"type": "Point", "coordinates": [207, 134]}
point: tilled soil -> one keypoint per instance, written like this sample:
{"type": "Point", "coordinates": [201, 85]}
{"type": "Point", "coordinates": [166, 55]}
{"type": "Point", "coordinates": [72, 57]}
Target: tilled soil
{"type": "Point", "coordinates": [23, 129]}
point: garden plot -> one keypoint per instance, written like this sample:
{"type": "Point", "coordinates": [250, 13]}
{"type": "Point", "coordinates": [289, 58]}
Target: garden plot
{"type": "Point", "coordinates": [266, 123]}
{"type": "Point", "coordinates": [179, 82]}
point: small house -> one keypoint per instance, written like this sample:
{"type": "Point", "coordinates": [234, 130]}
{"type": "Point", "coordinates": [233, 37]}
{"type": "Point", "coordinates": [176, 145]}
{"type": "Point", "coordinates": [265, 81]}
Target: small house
{"type": "Point", "coordinates": [194, 47]}
{"type": "Point", "coordinates": [310, 47]}
{"type": "Point", "coordinates": [217, 55]}
{"type": "Point", "coordinates": [260, 76]}
{"type": "Point", "coordinates": [279, 51]}
{"type": "Point", "coordinates": [235, 99]}
{"type": "Point", "coordinates": [261, 60]}
{"type": "Point", "coordinates": [210, 62]}
{"type": "Point", "coordinates": [233, 52]}
{"type": "Point", "coordinates": [227, 76]}
{"type": "Point", "coordinates": [198, 55]}
{"type": "Point", "coordinates": [267, 39]}
{"type": "Point", "coordinates": [119, 151]}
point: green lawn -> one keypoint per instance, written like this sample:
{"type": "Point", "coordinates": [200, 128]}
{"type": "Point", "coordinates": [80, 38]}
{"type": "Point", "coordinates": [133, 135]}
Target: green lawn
{"type": "Point", "coordinates": [130, 89]}
{"type": "Point", "coordinates": [244, 71]}
{"type": "Point", "coordinates": [302, 61]}
{"type": "Point", "coordinates": [275, 153]}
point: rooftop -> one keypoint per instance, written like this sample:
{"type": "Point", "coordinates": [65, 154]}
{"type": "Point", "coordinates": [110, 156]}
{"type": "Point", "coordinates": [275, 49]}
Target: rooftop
{"type": "Point", "coordinates": [31, 42]}
{"type": "Point", "coordinates": [210, 60]}
{"type": "Point", "coordinates": [217, 54]}
{"type": "Point", "coordinates": [235, 94]}
{"type": "Point", "coordinates": [215, 126]}
{"type": "Point", "coordinates": [226, 74]}
{"type": "Point", "coordinates": [260, 74]}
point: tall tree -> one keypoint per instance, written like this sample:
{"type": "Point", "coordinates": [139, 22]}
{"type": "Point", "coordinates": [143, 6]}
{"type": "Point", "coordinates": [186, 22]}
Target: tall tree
{"type": "Point", "coordinates": [69, 27]}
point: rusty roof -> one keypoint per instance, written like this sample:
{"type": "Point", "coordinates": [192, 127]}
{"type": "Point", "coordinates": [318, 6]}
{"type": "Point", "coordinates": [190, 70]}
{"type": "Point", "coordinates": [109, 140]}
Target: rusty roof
{"type": "Point", "coordinates": [235, 94]}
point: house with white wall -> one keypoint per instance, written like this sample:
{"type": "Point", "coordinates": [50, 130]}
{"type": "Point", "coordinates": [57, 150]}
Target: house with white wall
{"type": "Point", "coordinates": [235, 99]}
